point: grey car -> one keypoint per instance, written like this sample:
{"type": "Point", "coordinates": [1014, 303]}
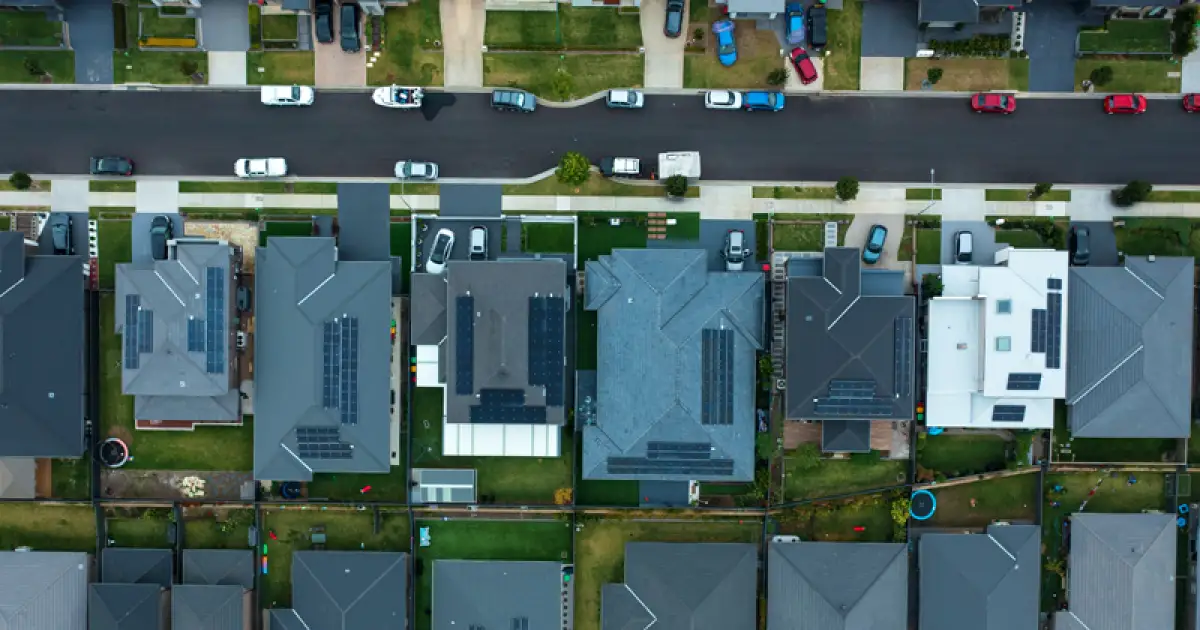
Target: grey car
{"type": "Point", "coordinates": [507, 100]}
{"type": "Point", "coordinates": [160, 232]}
{"type": "Point", "coordinates": [60, 234]}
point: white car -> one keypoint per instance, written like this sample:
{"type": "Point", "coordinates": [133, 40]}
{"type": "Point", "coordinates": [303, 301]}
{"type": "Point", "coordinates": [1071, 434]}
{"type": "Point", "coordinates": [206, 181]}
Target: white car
{"type": "Point", "coordinates": [439, 252]}
{"type": "Point", "coordinates": [398, 97]}
{"type": "Point", "coordinates": [416, 170]}
{"type": "Point", "coordinates": [287, 95]}
{"type": "Point", "coordinates": [260, 167]}
{"type": "Point", "coordinates": [723, 99]}
{"type": "Point", "coordinates": [625, 99]}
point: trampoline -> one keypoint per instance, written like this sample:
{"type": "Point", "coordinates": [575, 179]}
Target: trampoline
{"type": "Point", "coordinates": [113, 453]}
{"type": "Point", "coordinates": [922, 505]}
{"type": "Point", "coordinates": [290, 490]}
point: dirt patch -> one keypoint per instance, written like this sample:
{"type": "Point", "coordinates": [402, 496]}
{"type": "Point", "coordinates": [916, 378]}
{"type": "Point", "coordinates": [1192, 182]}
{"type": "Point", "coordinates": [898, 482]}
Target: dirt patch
{"type": "Point", "coordinates": [241, 234]}
{"type": "Point", "coordinates": [960, 75]}
{"type": "Point", "coordinates": [121, 433]}
{"type": "Point", "coordinates": [43, 481]}
{"type": "Point", "coordinates": [168, 484]}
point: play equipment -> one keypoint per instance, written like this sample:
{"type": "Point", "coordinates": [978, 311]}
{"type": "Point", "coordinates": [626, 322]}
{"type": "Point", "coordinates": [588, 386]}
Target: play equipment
{"type": "Point", "coordinates": [922, 505]}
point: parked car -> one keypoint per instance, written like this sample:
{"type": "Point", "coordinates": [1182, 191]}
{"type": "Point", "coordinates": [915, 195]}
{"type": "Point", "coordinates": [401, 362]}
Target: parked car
{"type": "Point", "coordinates": [1191, 103]}
{"type": "Point", "coordinates": [323, 12]}
{"type": "Point", "coordinates": [161, 231]}
{"type": "Point", "coordinates": [761, 100]}
{"type": "Point", "coordinates": [625, 99]}
{"type": "Point", "coordinates": [507, 100]}
{"type": "Point", "coordinates": [673, 24]}
{"type": "Point", "coordinates": [621, 167]}
{"type": "Point", "coordinates": [60, 233]}
{"type": "Point", "coordinates": [439, 252]}
{"type": "Point", "coordinates": [478, 243]}
{"type": "Point", "coordinates": [793, 24]}
{"type": "Point", "coordinates": [816, 27]}
{"type": "Point", "coordinates": [726, 46]}
{"type": "Point", "coordinates": [723, 99]}
{"type": "Point", "coordinates": [1125, 104]}
{"type": "Point", "coordinates": [964, 247]}
{"type": "Point", "coordinates": [875, 240]}
{"type": "Point", "coordinates": [252, 168]}
{"type": "Point", "coordinates": [349, 27]}
{"type": "Point", "coordinates": [734, 252]}
{"type": "Point", "coordinates": [287, 95]}
{"type": "Point", "coordinates": [241, 340]}
{"type": "Point", "coordinates": [427, 171]}
{"type": "Point", "coordinates": [1081, 246]}
{"type": "Point", "coordinates": [805, 69]}
{"type": "Point", "coordinates": [993, 103]}
{"type": "Point", "coordinates": [112, 165]}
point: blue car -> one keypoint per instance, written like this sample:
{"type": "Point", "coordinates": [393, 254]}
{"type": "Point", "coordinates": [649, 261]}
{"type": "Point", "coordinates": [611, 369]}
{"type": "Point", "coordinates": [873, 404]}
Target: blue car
{"type": "Point", "coordinates": [763, 101]}
{"type": "Point", "coordinates": [726, 48]}
{"type": "Point", "coordinates": [874, 248]}
{"type": "Point", "coordinates": [793, 24]}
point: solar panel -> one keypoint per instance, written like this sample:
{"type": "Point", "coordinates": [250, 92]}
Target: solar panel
{"type": "Point", "coordinates": [215, 320]}
{"type": "Point", "coordinates": [902, 370]}
{"type": "Point", "coordinates": [196, 332]}
{"type": "Point", "coordinates": [132, 358]}
{"type": "Point", "coordinates": [1024, 381]}
{"type": "Point", "coordinates": [645, 466]}
{"type": "Point", "coordinates": [716, 388]}
{"type": "Point", "coordinates": [1054, 284]}
{"type": "Point", "coordinates": [330, 364]}
{"type": "Point", "coordinates": [1054, 330]}
{"type": "Point", "coordinates": [546, 317]}
{"type": "Point", "coordinates": [146, 330]}
{"type": "Point", "coordinates": [1008, 413]}
{"type": "Point", "coordinates": [850, 388]}
{"type": "Point", "coordinates": [853, 407]}
{"type": "Point", "coordinates": [678, 450]}
{"type": "Point", "coordinates": [348, 371]}
{"type": "Point", "coordinates": [464, 345]}
{"type": "Point", "coordinates": [322, 443]}
{"type": "Point", "coordinates": [1038, 331]}
{"type": "Point", "coordinates": [505, 406]}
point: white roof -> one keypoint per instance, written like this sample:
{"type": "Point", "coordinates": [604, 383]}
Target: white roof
{"type": "Point", "coordinates": [500, 440]}
{"type": "Point", "coordinates": [427, 367]}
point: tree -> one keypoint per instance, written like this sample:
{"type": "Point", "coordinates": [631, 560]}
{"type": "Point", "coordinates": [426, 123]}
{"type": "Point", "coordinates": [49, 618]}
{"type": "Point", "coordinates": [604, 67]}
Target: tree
{"type": "Point", "coordinates": [189, 68]}
{"type": "Point", "coordinates": [1134, 192]}
{"type": "Point", "coordinates": [778, 76]}
{"type": "Point", "coordinates": [1183, 30]}
{"type": "Point", "coordinates": [931, 285]}
{"type": "Point", "coordinates": [34, 67]}
{"type": "Point", "coordinates": [677, 185]}
{"type": "Point", "coordinates": [1039, 190]}
{"type": "Point", "coordinates": [1101, 76]}
{"type": "Point", "coordinates": [562, 496]}
{"type": "Point", "coordinates": [846, 188]}
{"type": "Point", "coordinates": [573, 169]}
{"type": "Point", "coordinates": [934, 75]}
{"type": "Point", "coordinates": [806, 457]}
{"type": "Point", "coordinates": [20, 181]}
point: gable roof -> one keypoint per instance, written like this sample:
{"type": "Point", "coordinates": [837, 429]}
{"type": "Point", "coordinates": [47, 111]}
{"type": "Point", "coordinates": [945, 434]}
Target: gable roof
{"type": "Point", "coordinates": [965, 11]}
{"type": "Point", "coordinates": [684, 586]}
{"type": "Point", "coordinates": [427, 312]}
{"type": "Point", "coordinates": [223, 567]}
{"type": "Point", "coordinates": [126, 607]}
{"type": "Point", "coordinates": [837, 335]}
{"type": "Point", "coordinates": [494, 594]}
{"type": "Point", "coordinates": [138, 566]}
{"type": "Point", "coordinates": [1129, 363]}
{"type": "Point", "coordinates": [1121, 571]}
{"type": "Point", "coordinates": [17, 477]}
{"type": "Point", "coordinates": [993, 578]}
{"type": "Point", "coordinates": [347, 590]}
{"type": "Point", "coordinates": [676, 365]}
{"type": "Point", "coordinates": [362, 208]}
{"type": "Point", "coordinates": [837, 586]}
{"type": "Point", "coordinates": [43, 589]}
{"type": "Point", "coordinates": [203, 607]}
{"type": "Point", "coordinates": [303, 293]}
{"type": "Point", "coordinates": [42, 371]}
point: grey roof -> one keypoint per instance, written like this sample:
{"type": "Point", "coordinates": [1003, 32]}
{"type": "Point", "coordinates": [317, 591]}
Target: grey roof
{"type": "Point", "coordinates": [846, 436]}
{"type": "Point", "coordinates": [225, 567]}
{"type": "Point", "coordinates": [363, 213]}
{"type": "Point", "coordinates": [493, 594]}
{"type": "Point", "coordinates": [286, 619]}
{"type": "Point", "coordinates": [1129, 349]}
{"type": "Point", "coordinates": [297, 5]}
{"type": "Point", "coordinates": [837, 586]}
{"type": "Point", "coordinates": [1121, 571]}
{"type": "Point", "coordinates": [427, 309]}
{"type": "Point", "coordinates": [43, 589]}
{"type": "Point", "coordinates": [664, 493]}
{"type": "Point", "coordinates": [965, 11]}
{"type": "Point", "coordinates": [684, 586]}
{"type": "Point", "coordinates": [42, 373]}
{"type": "Point", "coordinates": [196, 607]}
{"type": "Point", "coordinates": [347, 590]}
{"type": "Point", "coordinates": [301, 285]}
{"type": "Point", "coordinates": [837, 332]}
{"type": "Point", "coordinates": [126, 607]}
{"type": "Point", "coordinates": [993, 578]}
{"type": "Point", "coordinates": [121, 565]}
{"type": "Point", "coordinates": [17, 477]}
{"type": "Point", "coordinates": [654, 306]}
{"type": "Point", "coordinates": [443, 485]}
{"type": "Point", "coordinates": [756, 6]}
{"type": "Point", "coordinates": [470, 200]}
{"type": "Point", "coordinates": [1134, 3]}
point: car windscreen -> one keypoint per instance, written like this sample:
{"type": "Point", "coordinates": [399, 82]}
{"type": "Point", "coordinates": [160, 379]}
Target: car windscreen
{"type": "Point", "coordinates": [674, 21]}
{"type": "Point", "coordinates": [727, 45]}
{"type": "Point", "coordinates": [439, 250]}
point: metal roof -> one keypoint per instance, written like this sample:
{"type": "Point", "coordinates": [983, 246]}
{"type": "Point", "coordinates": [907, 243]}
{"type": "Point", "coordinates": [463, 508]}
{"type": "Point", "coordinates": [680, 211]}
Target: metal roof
{"type": "Point", "coordinates": [17, 477]}
{"type": "Point", "coordinates": [837, 586]}
{"type": "Point", "coordinates": [223, 567]}
{"type": "Point", "coordinates": [496, 594]}
{"type": "Point", "coordinates": [846, 436]}
{"type": "Point", "coordinates": [348, 590]}
{"type": "Point", "coordinates": [965, 11]}
{"type": "Point", "coordinates": [127, 607]}
{"type": "Point", "coordinates": [427, 309]}
{"type": "Point", "coordinates": [122, 565]}
{"type": "Point", "coordinates": [44, 589]}
{"type": "Point", "coordinates": [203, 607]}
{"type": "Point", "coordinates": [992, 578]}
{"type": "Point", "coordinates": [443, 485]}
{"type": "Point", "coordinates": [756, 6]}
{"type": "Point", "coordinates": [362, 210]}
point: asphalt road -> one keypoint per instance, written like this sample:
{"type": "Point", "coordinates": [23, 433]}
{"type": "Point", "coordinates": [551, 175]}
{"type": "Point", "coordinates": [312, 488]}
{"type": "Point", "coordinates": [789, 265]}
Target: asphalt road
{"type": "Point", "coordinates": [895, 139]}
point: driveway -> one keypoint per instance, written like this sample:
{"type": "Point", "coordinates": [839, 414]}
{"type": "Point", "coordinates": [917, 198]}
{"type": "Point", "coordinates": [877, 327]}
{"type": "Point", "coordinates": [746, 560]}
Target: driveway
{"type": "Point", "coordinates": [881, 74]}
{"type": "Point", "coordinates": [226, 68]}
{"type": "Point", "coordinates": [664, 55]}
{"type": "Point", "coordinates": [1050, 30]}
{"type": "Point", "coordinates": [90, 35]}
{"type": "Point", "coordinates": [889, 29]}
{"type": "Point", "coordinates": [1104, 242]}
{"type": "Point", "coordinates": [712, 241]}
{"type": "Point", "coordinates": [983, 239]}
{"type": "Point", "coordinates": [462, 41]}
{"type": "Point", "coordinates": [856, 236]}
{"type": "Point", "coordinates": [224, 25]}
{"type": "Point", "coordinates": [793, 80]}
{"type": "Point", "coordinates": [335, 68]}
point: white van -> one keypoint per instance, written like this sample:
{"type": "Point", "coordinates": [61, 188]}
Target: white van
{"type": "Point", "coordinates": [478, 243]}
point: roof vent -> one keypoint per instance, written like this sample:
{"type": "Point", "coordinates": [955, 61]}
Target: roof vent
{"type": "Point", "coordinates": [1150, 258]}
{"type": "Point", "coordinates": [962, 346]}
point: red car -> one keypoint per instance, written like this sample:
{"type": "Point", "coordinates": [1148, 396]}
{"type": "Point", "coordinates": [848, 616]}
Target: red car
{"type": "Point", "coordinates": [992, 103]}
{"type": "Point", "coordinates": [1191, 102]}
{"type": "Point", "coordinates": [803, 65]}
{"type": "Point", "coordinates": [1125, 104]}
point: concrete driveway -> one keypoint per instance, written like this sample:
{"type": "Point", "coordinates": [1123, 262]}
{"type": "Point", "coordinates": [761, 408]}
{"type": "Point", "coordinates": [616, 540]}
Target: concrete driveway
{"type": "Point", "coordinates": [983, 238]}
{"type": "Point", "coordinates": [463, 22]}
{"type": "Point", "coordinates": [793, 80]}
{"type": "Point", "coordinates": [664, 55]}
{"type": "Point", "coordinates": [90, 33]}
{"type": "Point", "coordinates": [1104, 242]}
{"type": "Point", "coordinates": [856, 236]}
{"type": "Point", "coordinates": [335, 68]}
{"type": "Point", "coordinates": [881, 74]}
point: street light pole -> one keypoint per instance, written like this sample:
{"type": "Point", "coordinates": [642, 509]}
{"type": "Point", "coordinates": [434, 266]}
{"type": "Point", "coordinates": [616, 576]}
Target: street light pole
{"type": "Point", "coordinates": [932, 184]}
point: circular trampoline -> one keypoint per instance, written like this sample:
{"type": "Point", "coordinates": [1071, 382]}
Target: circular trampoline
{"type": "Point", "coordinates": [113, 453]}
{"type": "Point", "coordinates": [922, 505]}
{"type": "Point", "coordinates": [290, 490]}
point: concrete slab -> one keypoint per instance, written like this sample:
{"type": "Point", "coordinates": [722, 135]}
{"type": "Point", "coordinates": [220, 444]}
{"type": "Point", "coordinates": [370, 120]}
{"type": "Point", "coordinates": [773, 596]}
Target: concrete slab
{"type": "Point", "coordinates": [463, 22]}
{"type": "Point", "coordinates": [727, 202]}
{"type": "Point", "coordinates": [856, 236]}
{"type": "Point", "coordinates": [158, 197]}
{"type": "Point", "coordinates": [793, 80]}
{"type": "Point", "coordinates": [69, 195]}
{"type": "Point", "coordinates": [1103, 242]}
{"type": "Point", "coordinates": [1094, 204]}
{"type": "Point", "coordinates": [226, 68]}
{"type": "Point", "coordinates": [881, 74]}
{"type": "Point", "coordinates": [335, 68]}
{"type": "Point", "coordinates": [962, 204]}
{"type": "Point", "coordinates": [983, 238]}
{"type": "Point", "coordinates": [664, 55]}
{"type": "Point", "coordinates": [140, 233]}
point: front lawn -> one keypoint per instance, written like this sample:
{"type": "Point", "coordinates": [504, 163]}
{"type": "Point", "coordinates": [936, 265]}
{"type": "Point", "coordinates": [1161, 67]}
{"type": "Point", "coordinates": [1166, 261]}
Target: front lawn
{"type": "Point", "coordinates": [1161, 236]}
{"type": "Point", "coordinates": [833, 477]}
{"type": "Point", "coordinates": [1131, 75]}
{"type": "Point", "coordinates": [48, 527]}
{"type": "Point", "coordinates": [795, 236]}
{"type": "Point", "coordinates": [29, 28]}
{"type": "Point", "coordinates": [960, 454]}
{"type": "Point", "coordinates": [1021, 194]}
{"type": "Point", "coordinates": [408, 32]}
{"type": "Point", "coordinates": [280, 68]}
{"type": "Point", "coordinates": [570, 28]}
{"type": "Point", "coordinates": [547, 237]}
{"type": "Point", "coordinates": [978, 503]}
{"type": "Point", "coordinates": [156, 25]}
{"type": "Point", "coordinates": [279, 27]}
{"type": "Point", "coordinates": [843, 58]}
{"type": "Point", "coordinates": [968, 74]}
{"type": "Point", "coordinates": [757, 56]}
{"type": "Point", "coordinates": [1128, 36]}
{"type": "Point", "coordinates": [595, 186]}
{"type": "Point", "coordinates": [37, 66]}
{"type": "Point", "coordinates": [929, 246]}
{"type": "Point", "coordinates": [793, 192]}
{"type": "Point", "coordinates": [1020, 238]}
{"type": "Point", "coordinates": [558, 77]}
{"type": "Point", "coordinates": [158, 67]}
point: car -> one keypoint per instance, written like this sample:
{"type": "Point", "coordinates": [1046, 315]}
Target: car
{"type": "Point", "coordinates": [761, 100]}
{"type": "Point", "coordinates": [507, 100]}
{"type": "Point", "coordinates": [816, 27]}
{"type": "Point", "coordinates": [287, 95]}
{"type": "Point", "coordinates": [806, 70]}
{"type": "Point", "coordinates": [323, 12]}
{"type": "Point", "coordinates": [993, 103]}
{"type": "Point", "coordinates": [723, 99]}
{"type": "Point", "coordinates": [439, 253]}
{"type": "Point", "coordinates": [1125, 104]}
{"type": "Point", "coordinates": [964, 247]}
{"type": "Point", "coordinates": [625, 99]}
{"type": "Point", "coordinates": [621, 167]}
{"type": "Point", "coordinates": [60, 233]}
{"type": "Point", "coordinates": [793, 24]}
{"type": "Point", "coordinates": [478, 243]}
{"type": "Point", "coordinates": [397, 97]}
{"type": "Point", "coordinates": [112, 165]}
{"type": "Point", "coordinates": [161, 231]}
{"type": "Point", "coordinates": [349, 28]}
{"type": "Point", "coordinates": [393, 339]}
{"type": "Point", "coordinates": [1081, 246]}
{"type": "Point", "coordinates": [734, 251]}
{"type": "Point", "coordinates": [1191, 103]}
{"type": "Point", "coordinates": [673, 24]}
{"type": "Point", "coordinates": [875, 240]}
{"type": "Point", "coordinates": [427, 171]}
{"type": "Point", "coordinates": [726, 46]}
{"type": "Point", "coordinates": [251, 168]}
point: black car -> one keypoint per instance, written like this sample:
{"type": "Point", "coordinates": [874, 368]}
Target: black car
{"type": "Point", "coordinates": [60, 234]}
{"type": "Point", "coordinates": [323, 10]}
{"type": "Point", "coordinates": [507, 100]}
{"type": "Point", "coordinates": [816, 27]}
{"type": "Point", "coordinates": [112, 166]}
{"type": "Point", "coordinates": [349, 28]}
{"type": "Point", "coordinates": [1081, 246]}
{"type": "Point", "coordinates": [160, 233]}
{"type": "Point", "coordinates": [673, 26]}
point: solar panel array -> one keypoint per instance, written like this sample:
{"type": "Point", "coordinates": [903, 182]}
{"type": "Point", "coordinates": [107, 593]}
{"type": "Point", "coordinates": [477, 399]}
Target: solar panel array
{"type": "Point", "coordinates": [546, 318]}
{"type": "Point", "coordinates": [1054, 284]}
{"type": "Point", "coordinates": [322, 443]}
{"type": "Point", "coordinates": [1028, 381]}
{"type": "Point", "coordinates": [647, 466]}
{"type": "Point", "coordinates": [1008, 413]}
{"type": "Point", "coordinates": [464, 345]}
{"type": "Point", "coordinates": [132, 358]}
{"type": "Point", "coordinates": [678, 450]}
{"type": "Point", "coordinates": [1037, 339]}
{"type": "Point", "coordinates": [145, 328]}
{"type": "Point", "coordinates": [214, 353]}
{"type": "Point", "coordinates": [716, 388]}
{"type": "Point", "coordinates": [1054, 330]}
{"type": "Point", "coordinates": [505, 406]}
{"type": "Point", "coordinates": [902, 371]}
{"type": "Point", "coordinates": [196, 330]}
{"type": "Point", "coordinates": [339, 368]}
{"type": "Point", "coordinates": [853, 407]}
{"type": "Point", "coordinates": [851, 388]}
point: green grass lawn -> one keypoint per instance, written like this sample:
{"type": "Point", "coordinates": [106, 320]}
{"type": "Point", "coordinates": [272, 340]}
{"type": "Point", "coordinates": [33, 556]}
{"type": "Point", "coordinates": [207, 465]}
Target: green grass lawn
{"type": "Point", "coordinates": [1128, 36]}
{"type": "Point", "coordinates": [114, 244]}
{"type": "Point", "coordinates": [112, 186]}
{"type": "Point", "coordinates": [401, 241]}
{"type": "Point", "coordinates": [956, 455]}
{"type": "Point", "coordinates": [1174, 196]}
{"type": "Point", "coordinates": [793, 192]}
{"type": "Point", "coordinates": [148, 532]}
{"type": "Point", "coordinates": [800, 237]}
{"type": "Point", "coordinates": [279, 188]}
{"type": "Point", "coordinates": [595, 186]}
{"type": "Point", "coordinates": [414, 189]}
{"type": "Point", "coordinates": [570, 28]}
{"type": "Point", "coordinates": [47, 527]}
{"type": "Point", "coordinates": [584, 74]}
{"type": "Point", "coordinates": [606, 493]}
{"type": "Point", "coordinates": [929, 247]}
{"type": "Point", "coordinates": [1162, 236]}
{"type": "Point", "coordinates": [29, 28]}
{"type": "Point", "coordinates": [219, 528]}
{"type": "Point", "coordinates": [835, 477]}
{"type": "Point", "coordinates": [479, 539]}
{"type": "Point", "coordinates": [923, 194]}
{"type": "Point", "coordinates": [279, 27]}
{"type": "Point", "coordinates": [155, 24]}
{"type": "Point", "coordinates": [408, 33]}
{"type": "Point", "coordinates": [842, 64]}
{"type": "Point", "coordinates": [37, 66]}
{"type": "Point", "coordinates": [391, 487]}
{"type": "Point", "coordinates": [284, 228]}
{"type": "Point", "coordinates": [281, 68]}
{"type": "Point", "coordinates": [133, 66]}
{"type": "Point", "coordinates": [547, 237]}
{"type": "Point", "coordinates": [1021, 194]}
{"type": "Point", "coordinates": [1020, 238]}
{"type": "Point", "coordinates": [1100, 450]}
{"type": "Point", "coordinates": [1130, 75]}
{"type": "Point", "coordinates": [837, 521]}
{"type": "Point", "coordinates": [71, 478]}
{"type": "Point", "coordinates": [1005, 499]}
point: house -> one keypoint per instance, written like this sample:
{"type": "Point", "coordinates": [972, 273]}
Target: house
{"type": "Point", "coordinates": [993, 578]}
{"type": "Point", "coordinates": [684, 586]}
{"type": "Point", "coordinates": [1129, 351]}
{"type": "Point", "coordinates": [494, 594]}
{"type": "Point", "coordinates": [676, 367]}
{"type": "Point", "coordinates": [952, 13]}
{"type": "Point", "coordinates": [345, 590]}
{"type": "Point", "coordinates": [753, 9]}
{"type": "Point", "coordinates": [850, 347]}
{"type": "Point", "coordinates": [837, 586]}
{"type": "Point", "coordinates": [124, 565]}
{"type": "Point", "coordinates": [44, 589]}
{"type": "Point", "coordinates": [177, 320]}
{"type": "Point", "coordinates": [219, 567]}
{"type": "Point", "coordinates": [492, 335]}
{"type": "Point", "coordinates": [996, 343]}
{"type": "Point", "coordinates": [128, 607]}
{"type": "Point", "coordinates": [211, 607]}
{"type": "Point", "coordinates": [1120, 572]}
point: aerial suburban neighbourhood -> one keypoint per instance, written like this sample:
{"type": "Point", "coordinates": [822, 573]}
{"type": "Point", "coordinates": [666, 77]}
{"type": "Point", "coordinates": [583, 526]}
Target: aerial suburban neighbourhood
{"type": "Point", "coordinates": [599, 315]}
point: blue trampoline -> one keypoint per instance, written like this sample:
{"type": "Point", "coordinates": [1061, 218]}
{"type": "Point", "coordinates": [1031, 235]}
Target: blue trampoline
{"type": "Point", "coordinates": [922, 505]}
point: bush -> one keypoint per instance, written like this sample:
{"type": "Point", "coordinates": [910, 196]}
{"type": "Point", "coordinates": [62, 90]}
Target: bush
{"type": "Point", "coordinates": [806, 457]}
{"type": "Point", "coordinates": [20, 181]}
{"type": "Point", "coordinates": [777, 77]}
{"type": "Point", "coordinates": [677, 185]}
{"type": "Point", "coordinates": [562, 85]}
{"type": "Point", "coordinates": [698, 34]}
{"type": "Point", "coordinates": [188, 68]}
{"type": "Point", "coordinates": [846, 188]}
{"type": "Point", "coordinates": [1183, 30]}
{"type": "Point", "coordinates": [1134, 192]}
{"type": "Point", "coordinates": [934, 75]}
{"type": "Point", "coordinates": [33, 67]}
{"type": "Point", "coordinates": [1039, 190]}
{"type": "Point", "coordinates": [1101, 76]}
{"type": "Point", "coordinates": [931, 285]}
{"type": "Point", "coordinates": [573, 169]}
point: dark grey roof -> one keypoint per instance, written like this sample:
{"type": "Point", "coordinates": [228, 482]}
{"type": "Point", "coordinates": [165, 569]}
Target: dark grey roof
{"type": "Point", "coordinates": [286, 619]}
{"type": "Point", "coordinates": [18, 477]}
{"type": "Point", "coordinates": [1121, 571]}
{"type": "Point", "coordinates": [837, 334]}
{"type": "Point", "coordinates": [664, 493]}
{"type": "Point", "coordinates": [756, 6]}
{"type": "Point", "coordinates": [363, 213]}
{"type": "Point", "coordinates": [993, 579]}
{"type": "Point", "coordinates": [493, 594]}
{"type": "Point", "coordinates": [44, 589]}
{"type": "Point", "coordinates": [470, 200]}
{"type": "Point", "coordinates": [837, 586]}
{"type": "Point", "coordinates": [122, 565]}
{"type": "Point", "coordinates": [684, 586]}
{"type": "Point", "coordinates": [1129, 349]}
{"type": "Point", "coordinates": [347, 590]}
{"type": "Point", "coordinates": [443, 485]}
{"type": "Point", "coordinates": [427, 309]}
{"type": "Point", "coordinates": [301, 287]}
{"type": "Point", "coordinates": [196, 607]}
{"type": "Point", "coordinates": [42, 317]}
{"type": "Point", "coordinates": [657, 308]}
{"type": "Point", "coordinates": [126, 607]}
{"type": "Point", "coordinates": [1135, 3]}
{"type": "Point", "coordinates": [223, 567]}
{"type": "Point", "coordinates": [297, 5]}
{"type": "Point", "coordinates": [846, 436]}
{"type": "Point", "coordinates": [966, 11]}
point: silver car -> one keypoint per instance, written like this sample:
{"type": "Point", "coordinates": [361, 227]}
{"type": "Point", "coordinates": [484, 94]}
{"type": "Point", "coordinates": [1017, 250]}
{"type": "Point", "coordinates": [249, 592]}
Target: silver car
{"type": "Point", "coordinates": [625, 99]}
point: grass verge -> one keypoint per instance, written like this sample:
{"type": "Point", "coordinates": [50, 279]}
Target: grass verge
{"type": "Point", "coordinates": [596, 186]}
{"type": "Point", "coordinates": [794, 192]}
{"type": "Point", "coordinates": [923, 194]}
{"type": "Point", "coordinates": [1021, 194]}
{"type": "Point", "coordinates": [560, 77]}
{"type": "Point", "coordinates": [280, 68]}
{"type": "Point", "coordinates": [112, 186]}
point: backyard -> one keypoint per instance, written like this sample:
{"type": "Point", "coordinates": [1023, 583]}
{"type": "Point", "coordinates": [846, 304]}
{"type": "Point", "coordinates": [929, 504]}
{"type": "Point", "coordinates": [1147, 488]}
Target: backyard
{"type": "Point", "coordinates": [547, 237]}
{"type": "Point", "coordinates": [968, 74]}
{"type": "Point", "coordinates": [280, 68]}
{"type": "Point", "coordinates": [861, 519]}
{"type": "Point", "coordinates": [392, 487]}
{"type": "Point", "coordinates": [1131, 75]}
{"type": "Point", "coordinates": [961, 454]}
{"type": "Point", "coordinates": [843, 54]}
{"type": "Point", "coordinates": [217, 527]}
{"type": "Point", "coordinates": [409, 32]}
{"type": "Point", "coordinates": [757, 56]}
{"type": "Point", "coordinates": [562, 77]}
{"type": "Point", "coordinates": [834, 477]}
{"type": "Point", "coordinates": [978, 503]}
{"type": "Point", "coordinates": [139, 528]}
{"type": "Point", "coordinates": [71, 478]}
{"type": "Point", "coordinates": [48, 527]}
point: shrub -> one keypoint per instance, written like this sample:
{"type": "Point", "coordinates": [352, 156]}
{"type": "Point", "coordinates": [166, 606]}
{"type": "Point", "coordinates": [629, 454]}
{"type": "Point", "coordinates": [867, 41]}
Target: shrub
{"type": "Point", "coordinates": [1134, 192]}
{"type": "Point", "coordinates": [20, 181]}
{"type": "Point", "coordinates": [573, 169]}
{"type": "Point", "coordinates": [931, 285]}
{"type": "Point", "coordinates": [934, 75]}
{"type": "Point", "coordinates": [33, 67]}
{"type": "Point", "coordinates": [562, 85]}
{"type": "Point", "coordinates": [778, 76]}
{"type": "Point", "coordinates": [1101, 76]}
{"type": "Point", "coordinates": [1039, 190]}
{"type": "Point", "coordinates": [846, 188]}
{"type": "Point", "coordinates": [1183, 31]}
{"type": "Point", "coordinates": [677, 185]}
{"type": "Point", "coordinates": [188, 68]}
{"type": "Point", "coordinates": [698, 34]}
{"type": "Point", "coordinates": [806, 457]}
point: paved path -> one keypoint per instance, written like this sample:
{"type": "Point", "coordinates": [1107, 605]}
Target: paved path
{"type": "Point", "coordinates": [882, 73]}
{"type": "Point", "coordinates": [1190, 69]}
{"type": "Point", "coordinates": [90, 32]}
{"type": "Point", "coordinates": [69, 195]}
{"type": "Point", "coordinates": [226, 68]}
{"type": "Point", "coordinates": [158, 197]}
{"type": "Point", "coordinates": [664, 55]}
{"type": "Point", "coordinates": [463, 22]}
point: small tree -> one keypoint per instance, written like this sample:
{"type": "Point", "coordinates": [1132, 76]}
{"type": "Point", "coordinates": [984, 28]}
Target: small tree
{"type": "Point", "coordinates": [778, 76]}
{"type": "Point", "coordinates": [34, 67]}
{"type": "Point", "coordinates": [1101, 76]}
{"type": "Point", "coordinates": [934, 75]}
{"type": "Point", "coordinates": [189, 68]}
{"type": "Point", "coordinates": [1040, 190]}
{"type": "Point", "coordinates": [677, 185]}
{"type": "Point", "coordinates": [1134, 192]}
{"type": "Point", "coordinates": [846, 188]}
{"type": "Point", "coordinates": [573, 169]}
{"type": "Point", "coordinates": [20, 181]}
{"type": "Point", "coordinates": [931, 285]}
{"type": "Point", "coordinates": [1183, 30]}
{"type": "Point", "coordinates": [806, 457]}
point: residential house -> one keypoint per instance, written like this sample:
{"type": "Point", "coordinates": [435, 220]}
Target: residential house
{"type": "Point", "coordinates": [44, 589]}
{"type": "Point", "coordinates": [443, 485]}
{"type": "Point", "coordinates": [128, 607]}
{"type": "Point", "coordinates": [850, 347]}
{"type": "Point", "coordinates": [993, 578]}
{"type": "Point", "coordinates": [219, 567]}
{"type": "Point", "coordinates": [684, 586]}
{"type": "Point", "coordinates": [495, 594]}
{"type": "Point", "coordinates": [754, 9]}
{"type": "Point", "coordinates": [837, 586]}
{"type": "Point", "coordinates": [676, 367]}
{"type": "Point", "coordinates": [1129, 351]}
{"type": "Point", "coordinates": [211, 607]}
{"type": "Point", "coordinates": [1120, 572]}
{"type": "Point", "coordinates": [126, 565]}
{"type": "Point", "coordinates": [492, 335]}
{"type": "Point", "coordinates": [996, 343]}
{"type": "Point", "coordinates": [940, 14]}
{"type": "Point", "coordinates": [345, 590]}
